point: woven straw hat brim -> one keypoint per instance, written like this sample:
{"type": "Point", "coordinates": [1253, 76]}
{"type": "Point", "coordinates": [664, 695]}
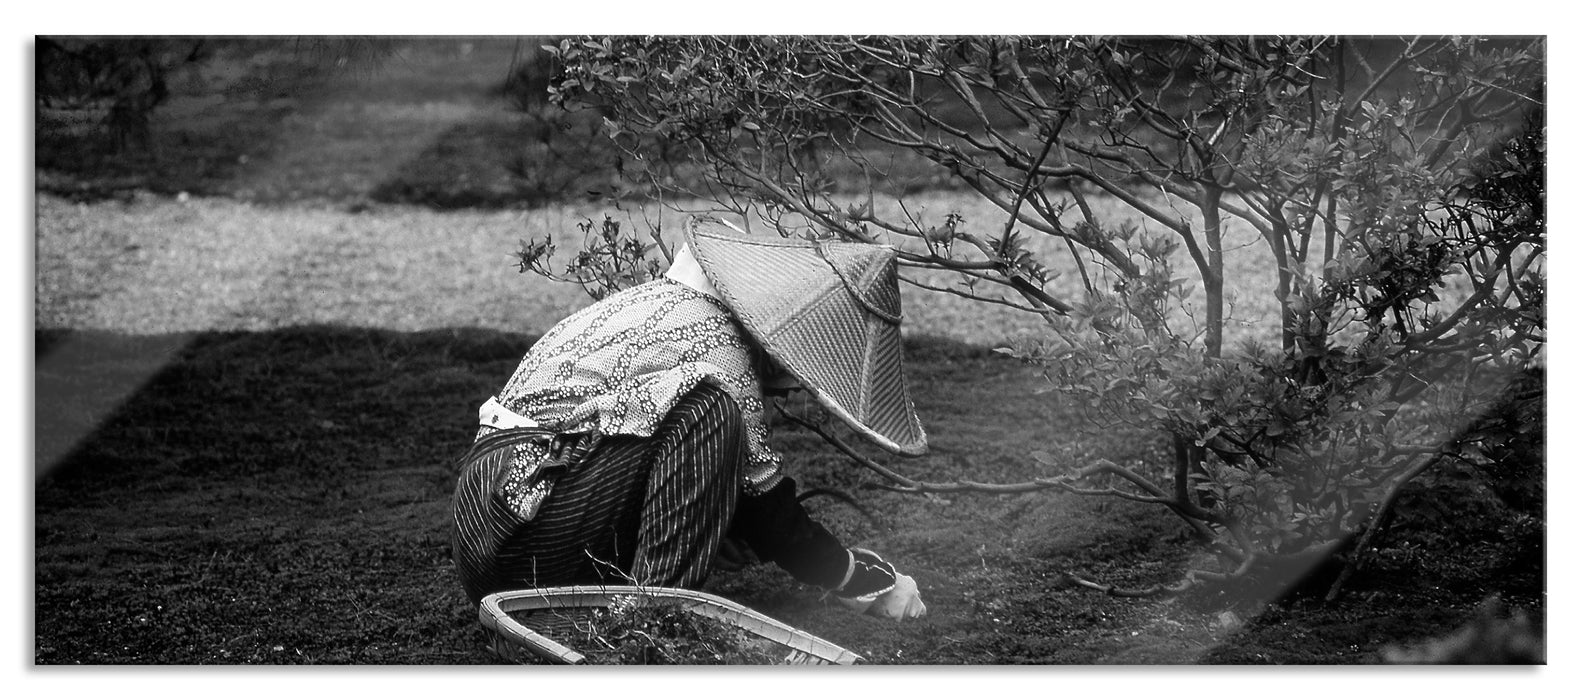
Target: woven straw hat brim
{"type": "Point", "coordinates": [829, 313]}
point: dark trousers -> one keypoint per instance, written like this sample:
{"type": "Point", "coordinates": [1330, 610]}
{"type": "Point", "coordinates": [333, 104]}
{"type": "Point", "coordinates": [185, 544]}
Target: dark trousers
{"type": "Point", "coordinates": [623, 509]}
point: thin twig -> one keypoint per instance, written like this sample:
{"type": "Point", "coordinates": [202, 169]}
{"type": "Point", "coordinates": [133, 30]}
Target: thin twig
{"type": "Point", "coordinates": [1195, 517]}
{"type": "Point", "coordinates": [1112, 590]}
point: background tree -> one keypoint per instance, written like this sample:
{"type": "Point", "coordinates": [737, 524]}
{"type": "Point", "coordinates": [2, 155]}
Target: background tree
{"type": "Point", "coordinates": [127, 74]}
{"type": "Point", "coordinates": [128, 78]}
{"type": "Point", "coordinates": [1393, 187]}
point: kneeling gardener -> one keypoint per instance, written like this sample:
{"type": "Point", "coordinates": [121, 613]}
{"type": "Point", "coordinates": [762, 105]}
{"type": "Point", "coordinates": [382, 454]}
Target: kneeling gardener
{"type": "Point", "coordinates": [630, 441]}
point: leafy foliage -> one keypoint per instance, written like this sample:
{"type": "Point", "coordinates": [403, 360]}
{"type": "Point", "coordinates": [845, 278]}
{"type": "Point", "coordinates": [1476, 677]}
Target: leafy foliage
{"type": "Point", "coordinates": [607, 262]}
{"type": "Point", "coordinates": [1394, 186]}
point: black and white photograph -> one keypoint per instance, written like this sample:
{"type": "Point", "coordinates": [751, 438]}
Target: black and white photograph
{"type": "Point", "coordinates": [772, 348]}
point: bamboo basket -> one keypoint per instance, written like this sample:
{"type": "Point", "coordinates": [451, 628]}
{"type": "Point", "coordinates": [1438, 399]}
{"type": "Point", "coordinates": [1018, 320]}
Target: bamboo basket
{"type": "Point", "coordinates": [522, 624]}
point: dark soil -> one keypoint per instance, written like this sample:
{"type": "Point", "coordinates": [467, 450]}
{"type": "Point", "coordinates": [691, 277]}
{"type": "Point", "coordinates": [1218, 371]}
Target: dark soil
{"type": "Point", "coordinates": [282, 498]}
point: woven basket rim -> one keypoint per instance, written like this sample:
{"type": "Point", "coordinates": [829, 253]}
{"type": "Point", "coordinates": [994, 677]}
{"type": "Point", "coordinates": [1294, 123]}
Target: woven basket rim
{"type": "Point", "coordinates": [494, 613]}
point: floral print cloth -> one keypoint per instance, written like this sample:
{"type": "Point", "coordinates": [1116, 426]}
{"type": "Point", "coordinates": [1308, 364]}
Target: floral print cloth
{"type": "Point", "coordinates": [618, 367]}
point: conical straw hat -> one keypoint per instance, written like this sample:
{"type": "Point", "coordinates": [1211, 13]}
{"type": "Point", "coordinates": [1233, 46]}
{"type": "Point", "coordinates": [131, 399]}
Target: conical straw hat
{"type": "Point", "coordinates": [830, 313]}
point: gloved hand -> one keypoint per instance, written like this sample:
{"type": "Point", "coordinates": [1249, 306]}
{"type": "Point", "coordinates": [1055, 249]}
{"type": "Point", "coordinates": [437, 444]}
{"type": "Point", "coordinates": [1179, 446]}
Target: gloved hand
{"type": "Point", "coordinates": [903, 602]}
{"type": "Point", "coordinates": [874, 587]}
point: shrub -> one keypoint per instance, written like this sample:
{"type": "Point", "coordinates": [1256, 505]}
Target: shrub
{"type": "Point", "coordinates": [1394, 187]}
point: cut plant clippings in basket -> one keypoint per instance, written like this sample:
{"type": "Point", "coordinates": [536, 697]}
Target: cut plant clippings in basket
{"type": "Point", "coordinates": [631, 625]}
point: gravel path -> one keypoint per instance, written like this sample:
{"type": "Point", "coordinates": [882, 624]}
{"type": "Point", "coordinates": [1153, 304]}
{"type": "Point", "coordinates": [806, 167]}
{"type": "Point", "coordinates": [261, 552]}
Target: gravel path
{"type": "Point", "coordinates": [163, 265]}
{"type": "Point", "coordinates": [160, 265]}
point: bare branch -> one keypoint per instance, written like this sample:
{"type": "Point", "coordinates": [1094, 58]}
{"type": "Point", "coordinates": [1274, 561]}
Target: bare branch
{"type": "Point", "coordinates": [1365, 541]}
{"type": "Point", "coordinates": [973, 297]}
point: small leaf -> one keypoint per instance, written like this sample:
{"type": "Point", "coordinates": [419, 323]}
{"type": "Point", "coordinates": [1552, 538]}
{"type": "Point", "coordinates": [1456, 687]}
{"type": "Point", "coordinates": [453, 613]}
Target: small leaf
{"type": "Point", "coordinates": [1208, 436]}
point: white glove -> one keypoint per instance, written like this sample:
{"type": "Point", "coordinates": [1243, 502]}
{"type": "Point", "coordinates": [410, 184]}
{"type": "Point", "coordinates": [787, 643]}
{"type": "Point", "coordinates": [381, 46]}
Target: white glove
{"type": "Point", "coordinates": [901, 601]}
